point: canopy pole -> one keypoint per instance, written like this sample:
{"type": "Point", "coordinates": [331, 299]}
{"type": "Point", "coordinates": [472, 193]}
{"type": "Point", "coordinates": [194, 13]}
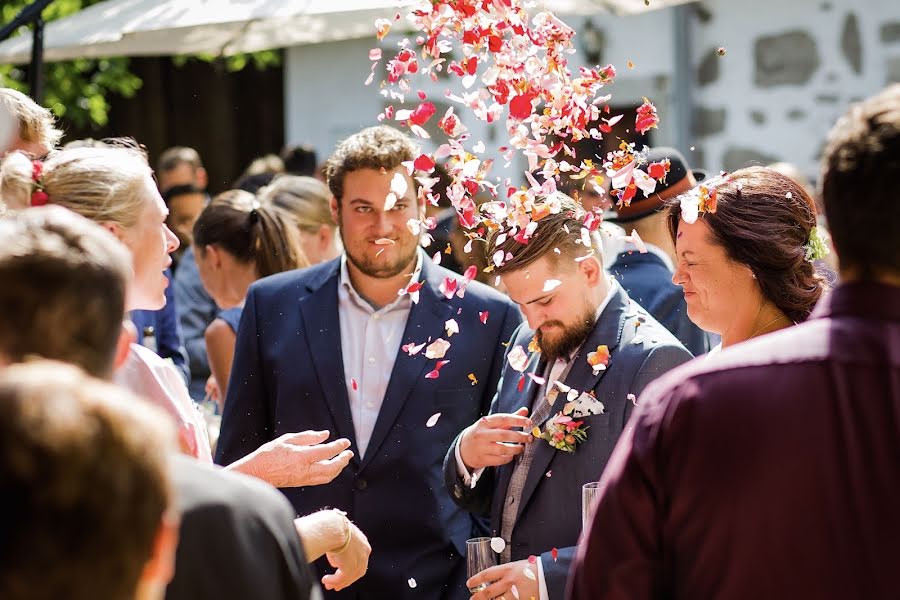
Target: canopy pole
{"type": "Point", "coordinates": [32, 14]}
{"type": "Point", "coordinates": [36, 68]}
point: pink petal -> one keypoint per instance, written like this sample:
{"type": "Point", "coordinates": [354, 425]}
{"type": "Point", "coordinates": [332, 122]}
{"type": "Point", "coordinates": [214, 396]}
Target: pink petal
{"type": "Point", "coordinates": [432, 420]}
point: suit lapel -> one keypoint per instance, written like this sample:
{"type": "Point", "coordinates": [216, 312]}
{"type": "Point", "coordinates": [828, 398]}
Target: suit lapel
{"type": "Point", "coordinates": [323, 333]}
{"type": "Point", "coordinates": [425, 323]}
{"type": "Point", "coordinates": [608, 330]}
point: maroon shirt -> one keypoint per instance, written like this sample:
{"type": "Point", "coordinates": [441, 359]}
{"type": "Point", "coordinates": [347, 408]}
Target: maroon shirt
{"type": "Point", "coordinates": [771, 470]}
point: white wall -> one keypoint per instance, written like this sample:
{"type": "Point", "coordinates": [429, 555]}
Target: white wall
{"type": "Point", "coordinates": [326, 99]}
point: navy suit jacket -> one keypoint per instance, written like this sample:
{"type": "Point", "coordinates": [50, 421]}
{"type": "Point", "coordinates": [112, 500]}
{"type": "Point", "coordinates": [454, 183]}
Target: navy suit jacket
{"type": "Point", "coordinates": [288, 376]}
{"type": "Point", "coordinates": [549, 513]}
{"type": "Point", "coordinates": [647, 279]}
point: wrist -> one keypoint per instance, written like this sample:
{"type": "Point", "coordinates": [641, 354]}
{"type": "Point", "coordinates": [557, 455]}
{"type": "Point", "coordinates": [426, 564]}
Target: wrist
{"type": "Point", "coordinates": [463, 456]}
{"type": "Point", "coordinates": [347, 530]}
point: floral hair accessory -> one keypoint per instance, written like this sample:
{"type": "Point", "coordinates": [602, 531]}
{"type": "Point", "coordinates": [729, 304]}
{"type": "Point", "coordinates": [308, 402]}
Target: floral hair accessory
{"type": "Point", "coordinates": [702, 199]}
{"type": "Point", "coordinates": [562, 432]}
{"type": "Point", "coordinates": [38, 196]}
{"type": "Point", "coordinates": [817, 246]}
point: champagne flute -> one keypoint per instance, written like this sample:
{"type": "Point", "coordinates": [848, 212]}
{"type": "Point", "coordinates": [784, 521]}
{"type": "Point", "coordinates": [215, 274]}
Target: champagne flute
{"type": "Point", "coordinates": [589, 494]}
{"type": "Point", "coordinates": [479, 556]}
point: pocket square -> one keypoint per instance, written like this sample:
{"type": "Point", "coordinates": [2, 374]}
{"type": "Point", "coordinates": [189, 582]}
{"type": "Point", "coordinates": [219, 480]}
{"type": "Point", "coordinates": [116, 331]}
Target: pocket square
{"type": "Point", "coordinates": [584, 406]}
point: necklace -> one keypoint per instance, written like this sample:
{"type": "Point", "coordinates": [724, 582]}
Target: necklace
{"type": "Point", "coordinates": [772, 322]}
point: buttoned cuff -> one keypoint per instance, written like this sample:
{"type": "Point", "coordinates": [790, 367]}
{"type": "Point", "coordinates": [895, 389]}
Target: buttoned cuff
{"type": "Point", "coordinates": [470, 479]}
{"type": "Point", "coordinates": [542, 581]}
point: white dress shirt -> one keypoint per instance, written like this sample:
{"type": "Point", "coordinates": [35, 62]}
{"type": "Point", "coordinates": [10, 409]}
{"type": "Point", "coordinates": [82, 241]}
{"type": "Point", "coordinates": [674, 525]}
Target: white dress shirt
{"type": "Point", "coordinates": [370, 340]}
{"type": "Point", "coordinates": [551, 373]}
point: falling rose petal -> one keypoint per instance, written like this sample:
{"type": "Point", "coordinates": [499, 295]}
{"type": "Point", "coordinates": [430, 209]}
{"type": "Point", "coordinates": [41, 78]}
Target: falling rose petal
{"type": "Point", "coordinates": [436, 259]}
{"type": "Point", "coordinates": [537, 379]}
{"type": "Point", "coordinates": [451, 326]}
{"type": "Point", "coordinates": [646, 118]}
{"type": "Point", "coordinates": [382, 27]}
{"type": "Point", "coordinates": [375, 54]}
{"type": "Point", "coordinates": [529, 574]}
{"type": "Point", "coordinates": [473, 379]}
{"type": "Point", "coordinates": [517, 359]}
{"type": "Point", "coordinates": [633, 398]}
{"type": "Point", "coordinates": [437, 349]}
{"type": "Point", "coordinates": [483, 317]}
{"type": "Point", "coordinates": [554, 553]}
{"type": "Point", "coordinates": [720, 52]}
{"type": "Point", "coordinates": [422, 113]}
{"type": "Point", "coordinates": [498, 545]}
{"type": "Point", "coordinates": [424, 163]}
{"type": "Point", "coordinates": [521, 386]}
{"type": "Point", "coordinates": [399, 184]}
{"type": "Point", "coordinates": [549, 473]}
{"type": "Point", "coordinates": [637, 241]}
{"type": "Point", "coordinates": [385, 242]}
{"type": "Point", "coordinates": [434, 374]}
{"type": "Point", "coordinates": [448, 287]}
{"type": "Point", "coordinates": [353, 384]}
{"type": "Point", "coordinates": [432, 420]}
{"type": "Point", "coordinates": [551, 284]}
{"type": "Point", "coordinates": [470, 273]}
{"type": "Point", "coordinates": [515, 591]}
{"type": "Point", "coordinates": [389, 201]}
{"type": "Point", "coordinates": [413, 349]}
{"type": "Point", "coordinates": [411, 582]}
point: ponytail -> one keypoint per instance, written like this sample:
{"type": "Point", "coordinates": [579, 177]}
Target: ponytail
{"type": "Point", "coordinates": [252, 233]}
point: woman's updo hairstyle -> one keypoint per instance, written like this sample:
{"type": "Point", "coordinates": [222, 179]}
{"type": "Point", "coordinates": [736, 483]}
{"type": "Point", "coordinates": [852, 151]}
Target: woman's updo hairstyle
{"type": "Point", "coordinates": [764, 220]}
{"type": "Point", "coordinates": [307, 199]}
{"type": "Point", "coordinates": [104, 183]}
{"type": "Point", "coordinates": [252, 232]}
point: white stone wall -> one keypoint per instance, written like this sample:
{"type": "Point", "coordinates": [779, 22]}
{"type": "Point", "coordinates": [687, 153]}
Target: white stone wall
{"type": "Point", "coordinates": [733, 119]}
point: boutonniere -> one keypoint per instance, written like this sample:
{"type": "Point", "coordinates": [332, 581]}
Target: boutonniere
{"type": "Point", "coordinates": [562, 432]}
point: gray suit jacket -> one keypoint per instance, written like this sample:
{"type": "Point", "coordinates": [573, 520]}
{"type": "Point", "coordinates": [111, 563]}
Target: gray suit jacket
{"type": "Point", "coordinates": [550, 508]}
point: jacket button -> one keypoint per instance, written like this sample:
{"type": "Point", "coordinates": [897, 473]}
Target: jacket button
{"type": "Point", "coordinates": [361, 484]}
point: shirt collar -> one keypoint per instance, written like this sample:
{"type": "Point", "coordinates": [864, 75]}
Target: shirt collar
{"type": "Point", "coordinates": [347, 285]}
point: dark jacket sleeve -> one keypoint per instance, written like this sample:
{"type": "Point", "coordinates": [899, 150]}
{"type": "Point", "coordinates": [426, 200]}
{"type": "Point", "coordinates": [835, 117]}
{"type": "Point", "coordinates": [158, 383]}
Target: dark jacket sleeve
{"type": "Point", "coordinates": [245, 420]}
{"type": "Point", "coordinates": [169, 339]}
{"type": "Point", "coordinates": [196, 310]}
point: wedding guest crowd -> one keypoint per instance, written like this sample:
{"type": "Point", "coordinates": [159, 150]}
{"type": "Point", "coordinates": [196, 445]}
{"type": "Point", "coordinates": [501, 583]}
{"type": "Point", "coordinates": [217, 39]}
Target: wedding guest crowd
{"type": "Point", "coordinates": [382, 416]}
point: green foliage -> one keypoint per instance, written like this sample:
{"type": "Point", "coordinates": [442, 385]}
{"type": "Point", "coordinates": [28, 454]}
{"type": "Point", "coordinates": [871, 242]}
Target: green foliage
{"type": "Point", "coordinates": [78, 90]}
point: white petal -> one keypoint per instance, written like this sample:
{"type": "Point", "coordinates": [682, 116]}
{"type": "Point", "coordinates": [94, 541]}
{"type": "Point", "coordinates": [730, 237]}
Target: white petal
{"type": "Point", "coordinates": [498, 545]}
{"type": "Point", "coordinates": [551, 284]}
{"type": "Point", "coordinates": [432, 420]}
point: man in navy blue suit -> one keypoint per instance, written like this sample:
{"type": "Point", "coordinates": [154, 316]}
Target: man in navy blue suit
{"type": "Point", "coordinates": [586, 351]}
{"type": "Point", "coordinates": [647, 276]}
{"type": "Point", "coordinates": [365, 346]}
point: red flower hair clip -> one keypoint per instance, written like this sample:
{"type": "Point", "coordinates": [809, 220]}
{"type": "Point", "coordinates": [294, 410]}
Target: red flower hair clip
{"type": "Point", "coordinates": [38, 196]}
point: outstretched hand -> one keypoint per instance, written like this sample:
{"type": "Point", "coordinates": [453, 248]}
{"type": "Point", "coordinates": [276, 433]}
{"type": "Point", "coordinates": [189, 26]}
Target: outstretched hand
{"type": "Point", "coordinates": [297, 460]}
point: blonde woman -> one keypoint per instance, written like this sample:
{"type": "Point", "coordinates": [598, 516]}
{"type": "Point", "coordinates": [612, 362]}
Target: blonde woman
{"type": "Point", "coordinates": [307, 200]}
{"type": "Point", "coordinates": [113, 186]}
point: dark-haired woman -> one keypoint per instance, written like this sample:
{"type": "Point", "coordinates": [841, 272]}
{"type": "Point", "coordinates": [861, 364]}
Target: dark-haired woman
{"type": "Point", "coordinates": [745, 243]}
{"type": "Point", "coordinates": [236, 242]}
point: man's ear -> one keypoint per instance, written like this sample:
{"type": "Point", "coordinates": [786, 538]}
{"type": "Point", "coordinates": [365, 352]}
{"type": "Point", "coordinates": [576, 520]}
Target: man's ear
{"type": "Point", "coordinates": [333, 204]}
{"type": "Point", "coordinates": [592, 270]}
{"type": "Point", "coordinates": [127, 336]}
{"type": "Point", "coordinates": [201, 178]}
{"type": "Point", "coordinates": [160, 567]}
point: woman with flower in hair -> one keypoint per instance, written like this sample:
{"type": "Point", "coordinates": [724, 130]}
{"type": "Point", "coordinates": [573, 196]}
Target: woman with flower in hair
{"type": "Point", "coordinates": [745, 244]}
{"type": "Point", "coordinates": [112, 184]}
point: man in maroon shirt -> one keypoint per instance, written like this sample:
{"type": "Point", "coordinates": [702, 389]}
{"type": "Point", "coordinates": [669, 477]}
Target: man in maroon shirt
{"type": "Point", "coordinates": [773, 470]}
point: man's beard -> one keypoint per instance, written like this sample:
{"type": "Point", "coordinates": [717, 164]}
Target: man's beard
{"type": "Point", "coordinates": [570, 338]}
{"type": "Point", "coordinates": [381, 268]}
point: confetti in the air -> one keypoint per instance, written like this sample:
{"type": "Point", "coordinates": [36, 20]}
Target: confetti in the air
{"type": "Point", "coordinates": [436, 372]}
{"type": "Point", "coordinates": [451, 327]}
{"type": "Point", "coordinates": [411, 582]}
{"type": "Point", "coordinates": [529, 574]}
{"type": "Point", "coordinates": [432, 420]}
{"type": "Point", "coordinates": [554, 553]}
{"type": "Point", "coordinates": [473, 379]}
{"type": "Point", "coordinates": [354, 384]}
{"type": "Point", "coordinates": [483, 317]}
{"type": "Point", "coordinates": [517, 359]}
{"type": "Point", "coordinates": [633, 398]}
{"type": "Point", "coordinates": [551, 284]}
{"type": "Point", "coordinates": [437, 349]}
{"type": "Point", "coordinates": [498, 544]}
{"type": "Point", "coordinates": [721, 51]}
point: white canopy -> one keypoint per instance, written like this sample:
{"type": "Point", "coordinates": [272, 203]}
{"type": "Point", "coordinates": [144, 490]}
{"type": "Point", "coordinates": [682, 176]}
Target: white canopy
{"type": "Point", "coordinates": [225, 27]}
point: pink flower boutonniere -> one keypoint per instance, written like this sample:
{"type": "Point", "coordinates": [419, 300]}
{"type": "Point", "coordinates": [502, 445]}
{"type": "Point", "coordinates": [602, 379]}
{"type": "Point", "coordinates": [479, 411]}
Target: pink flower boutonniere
{"type": "Point", "coordinates": [562, 432]}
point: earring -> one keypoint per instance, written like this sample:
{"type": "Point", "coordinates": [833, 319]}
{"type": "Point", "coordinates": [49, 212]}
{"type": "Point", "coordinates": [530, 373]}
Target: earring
{"type": "Point", "coordinates": [753, 275]}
